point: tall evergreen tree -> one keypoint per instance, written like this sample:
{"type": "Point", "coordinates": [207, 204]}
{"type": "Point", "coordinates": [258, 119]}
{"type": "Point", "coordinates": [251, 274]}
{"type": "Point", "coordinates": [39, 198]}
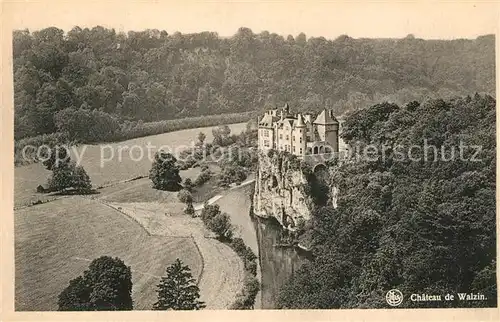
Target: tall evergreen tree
{"type": "Point", "coordinates": [178, 290]}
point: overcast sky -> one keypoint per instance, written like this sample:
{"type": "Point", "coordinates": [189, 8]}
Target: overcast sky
{"type": "Point", "coordinates": [395, 19]}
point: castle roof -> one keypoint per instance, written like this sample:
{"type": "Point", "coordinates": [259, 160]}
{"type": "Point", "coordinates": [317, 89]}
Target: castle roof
{"type": "Point", "coordinates": [288, 121]}
{"type": "Point", "coordinates": [326, 118]}
{"type": "Point", "coordinates": [268, 120]}
{"type": "Point", "coordinates": [300, 121]}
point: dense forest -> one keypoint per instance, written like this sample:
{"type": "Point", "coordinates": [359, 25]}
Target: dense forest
{"type": "Point", "coordinates": [421, 225]}
{"type": "Point", "coordinates": [105, 78]}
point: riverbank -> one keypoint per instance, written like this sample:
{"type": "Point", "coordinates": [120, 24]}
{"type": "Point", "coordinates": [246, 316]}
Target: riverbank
{"type": "Point", "coordinates": [236, 203]}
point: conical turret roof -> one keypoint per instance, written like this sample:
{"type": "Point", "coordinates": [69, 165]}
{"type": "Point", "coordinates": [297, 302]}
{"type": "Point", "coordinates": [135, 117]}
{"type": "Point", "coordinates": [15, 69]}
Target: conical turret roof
{"type": "Point", "coordinates": [300, 121]}
{"type": "Point", "coordinates": [326, 118]}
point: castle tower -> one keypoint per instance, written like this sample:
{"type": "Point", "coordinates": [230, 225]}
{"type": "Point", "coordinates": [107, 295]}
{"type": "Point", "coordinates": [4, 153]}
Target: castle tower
{"type": "Point", "coordinates": [266, 132]}
{"type": "Point", "coordinates": [328, 129]}
{"type": "Point", "coordinates": [300, 134]}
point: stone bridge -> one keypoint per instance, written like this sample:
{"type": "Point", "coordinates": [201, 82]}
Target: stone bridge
{"type": "Point", "coordinates": [315, 160]}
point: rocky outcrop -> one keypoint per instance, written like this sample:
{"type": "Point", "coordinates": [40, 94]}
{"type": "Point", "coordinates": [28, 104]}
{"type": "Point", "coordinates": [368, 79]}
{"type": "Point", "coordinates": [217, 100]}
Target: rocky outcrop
{"type": "Point", "coordinates": [282, 189]}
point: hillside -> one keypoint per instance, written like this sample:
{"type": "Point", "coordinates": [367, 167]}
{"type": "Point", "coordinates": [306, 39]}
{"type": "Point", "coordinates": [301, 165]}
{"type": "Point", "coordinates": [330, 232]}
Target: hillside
{"type": "Point", "coordinates": [417, 216]}
{"type": "Point", "coordinates": [118, 79]}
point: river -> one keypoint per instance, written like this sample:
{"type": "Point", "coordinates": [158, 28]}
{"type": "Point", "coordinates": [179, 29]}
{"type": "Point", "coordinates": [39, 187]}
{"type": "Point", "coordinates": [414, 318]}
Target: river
{"type": "Point", "coordinates": [277, 264]}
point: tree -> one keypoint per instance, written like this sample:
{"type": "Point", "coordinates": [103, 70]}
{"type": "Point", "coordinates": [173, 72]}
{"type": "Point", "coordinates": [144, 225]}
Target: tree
{"type": "Point", "coordinates": [201, 138]}
{"type": "Point", "coordinates": [185, 196]}
{"type": "Point", "coordinates": [105, 286]}
{"type": "Point", "coordinates": [188, 184]}
{"type": "Point", "coordinates": [406, 224]}
{"type": "Point", "coordinates": [220, 224]}
{"type": "Point", "coordinates": [209, 212]}
{"type": "Point", "coordinates": [178, 290]}
{"type": "Point", "coordinates": [68, 175]}
{"type": "Point", "coordinates": [55, 156]}
{"type": "Point", "coordinates": [189, 209]}
{"type": "Point", "coordinates": [165, 173]}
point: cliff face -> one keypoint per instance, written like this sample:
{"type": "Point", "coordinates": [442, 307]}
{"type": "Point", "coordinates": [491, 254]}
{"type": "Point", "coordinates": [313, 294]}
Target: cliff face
{"type": "Point", "coordinates": [282, 189]}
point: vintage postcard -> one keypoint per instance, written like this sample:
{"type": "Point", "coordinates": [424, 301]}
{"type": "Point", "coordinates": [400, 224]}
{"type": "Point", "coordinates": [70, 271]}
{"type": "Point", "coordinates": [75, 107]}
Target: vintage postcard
{"type": "Point", "coordinates": [264, 160]}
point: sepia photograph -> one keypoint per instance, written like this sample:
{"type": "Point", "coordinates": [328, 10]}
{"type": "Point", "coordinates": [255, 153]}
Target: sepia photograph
{"type": "Point", "coordinates": [251, 155]}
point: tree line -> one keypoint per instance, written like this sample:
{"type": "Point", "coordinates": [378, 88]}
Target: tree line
{"type": "Point", "coordinates": [97, 77]}
{"type": "Point", "coordinates": [417, 226]}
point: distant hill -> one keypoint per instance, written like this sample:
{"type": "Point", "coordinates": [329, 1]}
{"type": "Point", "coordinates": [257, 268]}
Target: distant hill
{"type": "Point", "coordinates": [151, 75]}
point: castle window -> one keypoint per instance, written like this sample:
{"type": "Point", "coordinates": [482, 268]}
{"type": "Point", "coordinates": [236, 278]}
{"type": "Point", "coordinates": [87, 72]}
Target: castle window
{"type": "Point", "coordinates": [300, 140]}
{"type": "Point", "coordinates": [281, 136]}
{"type": "Point", "coordinates": [300, 131]}
{"type": "Point", "coordinates": [293, 148]}
{"type": "Point", "coordinates": [300, 150]}
{"type": "Point", "coordinates": [266, 143]}
{"type": "Point", "coordinates": [308, 138]}
{"type": "Point", "coordinates": [266, 133]}
{"type": "Point", "coordinates": [287, 138]}
{"type": "Point", "coordinates": [293, 138]}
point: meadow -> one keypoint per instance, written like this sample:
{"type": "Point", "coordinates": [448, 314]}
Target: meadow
{"type": "Point", "coordinates": [55, 242]}
{"type": "Point", "coordinates": [27, 178]}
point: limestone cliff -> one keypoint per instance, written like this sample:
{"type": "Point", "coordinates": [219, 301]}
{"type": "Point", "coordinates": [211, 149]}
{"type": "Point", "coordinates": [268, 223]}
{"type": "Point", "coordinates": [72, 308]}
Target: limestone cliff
{"type": "Point", "coordinates": [282, 189]}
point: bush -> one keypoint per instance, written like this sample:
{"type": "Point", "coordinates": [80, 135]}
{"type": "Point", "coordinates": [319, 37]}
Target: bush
{"type": "Point", "coordinates": [209, 212]}
{"type": "Point", "coordinates": [220, 224]}
{"type": "Point", "coordinates": [189, 209]}
{"type": "Point", "coordinates": [203, 177]}
{"type": "Point", "coordinates": [245, 300]}
{"type": "Point", "coordinates": [185, 196]}
{"type": "Point", "coordinates": [188, 184]}
{"type": "Point", "coordinates": [238, 245]}
{"type": "Point", "coordinates": [231, 174]}
{"type": "Point", "coordinates": [217, 222]}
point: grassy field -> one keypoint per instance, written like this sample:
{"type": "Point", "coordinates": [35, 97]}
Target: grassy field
{"type": "Point", "coordinates": [54, 244]}
{"type": "Point", "coordinates": [55, 241]}
{"type": "Point", "coordinates": [223, 270]}
{"type": "Point", "coordinates": [122, 167]}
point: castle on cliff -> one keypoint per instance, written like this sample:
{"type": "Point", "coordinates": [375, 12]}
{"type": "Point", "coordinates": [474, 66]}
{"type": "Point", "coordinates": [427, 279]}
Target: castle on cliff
{"type": "Point", "coordinates": [298, 134]}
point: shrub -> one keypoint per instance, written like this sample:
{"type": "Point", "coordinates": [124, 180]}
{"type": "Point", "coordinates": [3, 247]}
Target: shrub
{"type": "Point", "coordinates": [231, 174]}
{"type": "Point", "coordinates": [220, 224]}
{"type": "Point", "coordinates": [238, 245]}
{"type": "Point", "coordinates": [185, 196]}
{"type": "Point", "coordinates": [188, 184]}
{"type": "Point", "coordinates": [189, 209]}
{"type": "Point", "coordinates": [203, 177]}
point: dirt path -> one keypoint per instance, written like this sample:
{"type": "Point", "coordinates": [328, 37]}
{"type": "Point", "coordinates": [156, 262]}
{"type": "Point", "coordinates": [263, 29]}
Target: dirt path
{"type": "Point", "coordinates": [223, 272]}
